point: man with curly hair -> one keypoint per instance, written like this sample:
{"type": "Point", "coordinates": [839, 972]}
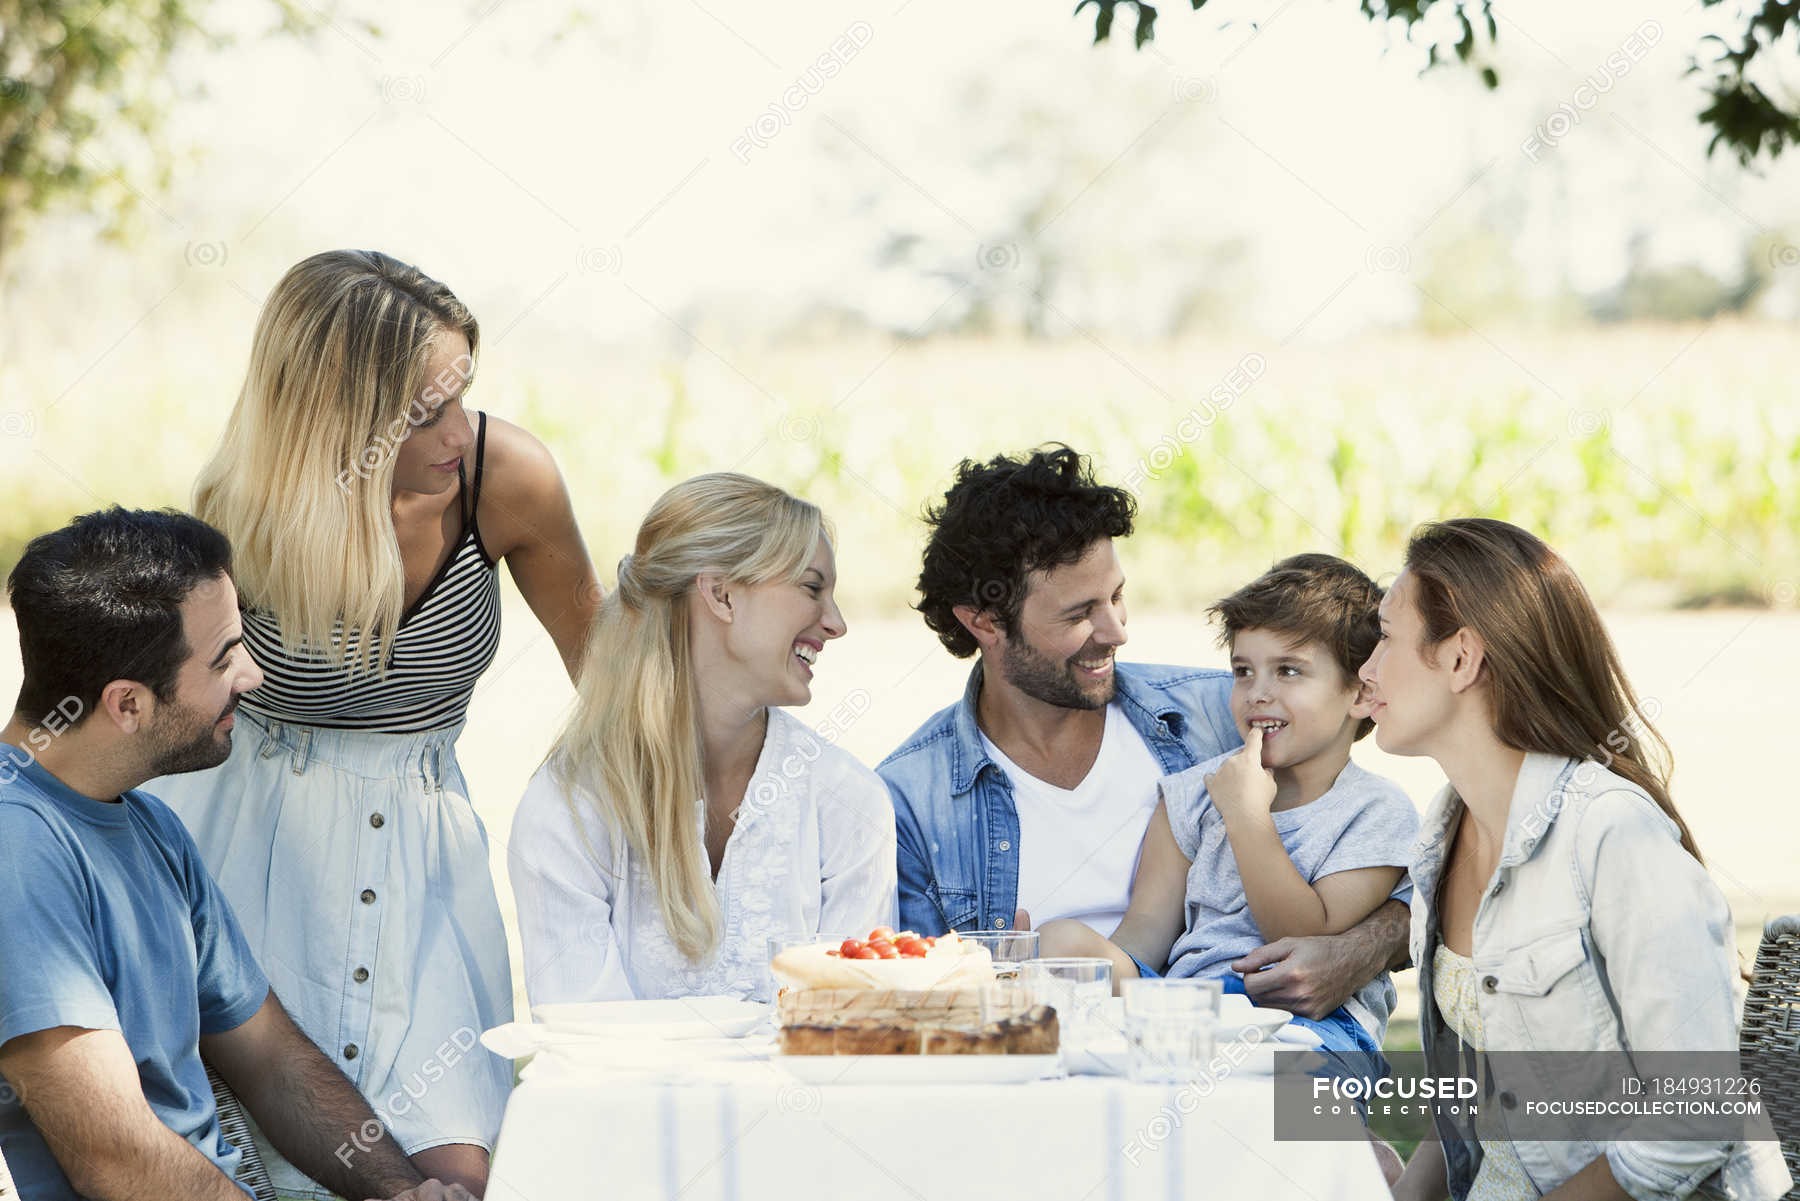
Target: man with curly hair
{"type": "Point", "coordinates": [1028, 799]}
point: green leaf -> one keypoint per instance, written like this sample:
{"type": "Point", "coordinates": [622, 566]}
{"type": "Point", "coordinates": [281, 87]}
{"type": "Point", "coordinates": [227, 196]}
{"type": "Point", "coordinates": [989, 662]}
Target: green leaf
{"type": "Point", "coordinates": [1103, 18]}
{"type": "Point", "coordinates": [1146, 23]}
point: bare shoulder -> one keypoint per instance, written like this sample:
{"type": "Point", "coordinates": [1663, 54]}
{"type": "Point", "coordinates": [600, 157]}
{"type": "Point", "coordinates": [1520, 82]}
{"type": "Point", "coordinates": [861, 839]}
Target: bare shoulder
{"type": "Point", "coordinates": [522, 489]}
{"type": "Point", "coordinates": [516, 462]}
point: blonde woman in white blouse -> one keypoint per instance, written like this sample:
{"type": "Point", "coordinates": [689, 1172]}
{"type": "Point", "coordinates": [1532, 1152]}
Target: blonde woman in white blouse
{"type": "Point", "coordinates": [684, 817]}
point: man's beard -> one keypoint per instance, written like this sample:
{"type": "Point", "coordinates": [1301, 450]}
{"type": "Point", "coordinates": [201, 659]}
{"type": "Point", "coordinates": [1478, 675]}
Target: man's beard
{"type": "Point", "coordinates": [192, 743]}
{"type": "Point", "coordinates": [1042, 678]}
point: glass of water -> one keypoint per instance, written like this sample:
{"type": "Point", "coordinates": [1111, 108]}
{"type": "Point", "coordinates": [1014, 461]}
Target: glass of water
{"type": "Point", "coordinates": [1009, 948]}
{"type": "Point", "coordinates": [1078, 989]}
{"type": "Point", "coordinates": [1171, 1027]}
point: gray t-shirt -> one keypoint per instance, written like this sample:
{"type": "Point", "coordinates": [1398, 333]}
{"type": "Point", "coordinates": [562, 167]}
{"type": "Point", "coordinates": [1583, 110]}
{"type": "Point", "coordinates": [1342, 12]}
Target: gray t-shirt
{"type": "Point", "coordinates": [1363, 820]}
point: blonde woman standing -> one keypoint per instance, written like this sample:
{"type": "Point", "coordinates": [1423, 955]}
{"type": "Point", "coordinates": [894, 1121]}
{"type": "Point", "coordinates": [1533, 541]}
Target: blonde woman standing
{"type": "Point", "coordinates": [368, 515]}
{"type": "Point", "coordinates": [684, 817]}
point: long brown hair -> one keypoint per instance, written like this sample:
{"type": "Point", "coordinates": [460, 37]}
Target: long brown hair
{"type": "Point", "coordinates": [1554, 678]}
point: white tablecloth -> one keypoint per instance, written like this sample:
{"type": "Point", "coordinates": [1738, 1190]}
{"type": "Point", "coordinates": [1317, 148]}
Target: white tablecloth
{"type": "Point", "coordinates": [720, 1120]}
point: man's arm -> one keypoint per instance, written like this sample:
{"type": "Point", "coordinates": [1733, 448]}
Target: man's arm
{"type": "Point", "coordinates": [1313, 976]}
{"type": "Point", "coordinates": [307, 1107]}
{"type": "Point", "coordinates": [80, 1088]}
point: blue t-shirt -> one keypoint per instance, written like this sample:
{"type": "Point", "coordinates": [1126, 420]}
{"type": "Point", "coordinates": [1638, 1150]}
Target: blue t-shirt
{"type": "Point", "coordinates": [112, 923]}
{"type": "Point", "coordinates": [1362, 820]}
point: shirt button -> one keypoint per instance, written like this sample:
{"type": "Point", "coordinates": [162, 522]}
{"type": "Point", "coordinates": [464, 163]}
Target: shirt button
{"type": "Point", "coordinates": [1508, 1101]}
{"type": "Point", "coordinates": [1499, 887]}
{"type": "Point", "coordinates": [1005, 844]}
{"type": "Point", "coordinates": [368, 896]}
{"type": "Point", "coordinates": [376, 820]}
{"type": "Point", "coordinates": [999, 923]}
{"type": "Point", "coordinates": [360, 975]}
{"type": "Point", "coordinates": [1490, 983]}
{"type": "Point", "coordinates": [350, 1051]}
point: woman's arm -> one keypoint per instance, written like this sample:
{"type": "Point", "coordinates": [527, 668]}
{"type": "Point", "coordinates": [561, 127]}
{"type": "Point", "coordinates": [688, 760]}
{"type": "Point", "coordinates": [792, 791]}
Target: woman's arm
{"type": "Point", "coordinates": [856, 853]}
{"type": "Point", "coordinates": [1593, 1183]}
{"type": "Point", "coordinates": [562, 879]}
{"type": "Point", "coordinates": [1425, 1178]}
{"type": "Point", "coordinates": [1662, 929]}
{"type": "Point", "coordinates": [528, 521]}
{"type": "Point", "coordinates": [1157, 914]}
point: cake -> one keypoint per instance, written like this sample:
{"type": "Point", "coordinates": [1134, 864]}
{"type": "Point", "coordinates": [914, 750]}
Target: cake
{"type": "Point", "coordinates": [885, 960]}
{"type": "Point", "coordinates": [963, 1021]}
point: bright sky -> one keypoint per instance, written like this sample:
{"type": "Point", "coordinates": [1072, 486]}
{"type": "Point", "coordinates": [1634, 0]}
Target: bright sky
{"type": "Point", "coordinates": [606, 177]}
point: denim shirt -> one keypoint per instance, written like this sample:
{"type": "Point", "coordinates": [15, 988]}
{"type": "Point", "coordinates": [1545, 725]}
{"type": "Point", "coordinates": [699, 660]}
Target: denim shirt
{"type": "Point", "coordinates": [956, 822]}
{"type": "Point", "coordinates": [1597, 932]}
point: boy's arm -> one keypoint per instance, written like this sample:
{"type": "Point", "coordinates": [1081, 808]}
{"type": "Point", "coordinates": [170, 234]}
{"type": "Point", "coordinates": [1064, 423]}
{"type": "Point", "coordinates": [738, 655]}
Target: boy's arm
{"type": "Point", "coordinates": [1281, 900]}
{"type": "Point", "coordinates": [1158, 911]}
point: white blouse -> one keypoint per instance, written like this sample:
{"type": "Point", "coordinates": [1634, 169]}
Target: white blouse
{"type": "Point", "coordinates": [812, 852]}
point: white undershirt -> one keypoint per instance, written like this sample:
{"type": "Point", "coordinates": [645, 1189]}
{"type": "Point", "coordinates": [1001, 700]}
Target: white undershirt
{"type": "Point", "coordinates": [1078, 848]}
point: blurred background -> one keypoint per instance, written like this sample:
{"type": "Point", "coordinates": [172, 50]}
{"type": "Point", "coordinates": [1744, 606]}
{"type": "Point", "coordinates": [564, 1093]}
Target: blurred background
{"type": "Point", "coordinates": [1292, 287]}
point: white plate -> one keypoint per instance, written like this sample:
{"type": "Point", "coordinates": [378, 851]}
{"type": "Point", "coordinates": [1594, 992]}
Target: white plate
{"type": "Point", "coordinates": [1245, 1018]}
{"type": "Point", "coordinates": [1248, 1039]}
{"type": "Point", "coordinates": [918, 1069]}
{"type": "Point", "coordinates": [682, 1017]}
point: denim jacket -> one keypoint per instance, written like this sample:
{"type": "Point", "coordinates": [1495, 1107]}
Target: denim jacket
{"type": "Point", "coordinates": [1598, 932]}
{"type": "Point", "coordinates": [954, 815]}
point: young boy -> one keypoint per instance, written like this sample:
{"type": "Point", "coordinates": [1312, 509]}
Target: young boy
{"type": "Point", "coordinates": [1286, 836]}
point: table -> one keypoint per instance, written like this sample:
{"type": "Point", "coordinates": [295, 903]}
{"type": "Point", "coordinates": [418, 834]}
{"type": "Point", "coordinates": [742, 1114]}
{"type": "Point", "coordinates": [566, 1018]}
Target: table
{"type": "Point", "coordinates": [720, 1120]}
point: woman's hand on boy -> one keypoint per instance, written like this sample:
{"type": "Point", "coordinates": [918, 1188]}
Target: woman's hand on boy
{"type": "Point", "coordinates": [1242, 787]}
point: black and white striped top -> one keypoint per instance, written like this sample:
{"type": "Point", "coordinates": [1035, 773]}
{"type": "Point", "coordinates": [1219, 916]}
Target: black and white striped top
{"type": "Point", "coordinates": [443, 644]}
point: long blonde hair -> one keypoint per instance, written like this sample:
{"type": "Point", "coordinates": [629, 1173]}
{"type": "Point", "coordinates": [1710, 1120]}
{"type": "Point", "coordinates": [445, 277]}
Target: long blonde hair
{"type": "Point", "coordinates": [632, 745]}
{"type": "Point", "coordinates": [301, 481]}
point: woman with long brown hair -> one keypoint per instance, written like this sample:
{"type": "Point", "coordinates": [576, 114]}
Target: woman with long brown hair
{"type": "Point", "coordinates": [1560, 901]}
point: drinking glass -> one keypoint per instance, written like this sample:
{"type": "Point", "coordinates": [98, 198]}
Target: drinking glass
{"type": "Point", "coordinates": [1078, 989]}
{"type": "Point", "coordinates": [1171, 1027]}
{"type": "Point", "coordinates": [1008, 948]}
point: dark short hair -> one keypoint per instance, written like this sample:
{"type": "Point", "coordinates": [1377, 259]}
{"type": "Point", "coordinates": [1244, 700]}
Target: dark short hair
{"type": "Point", "coordinates": [100, 600]}
{"type": "Point", "coordinates": [1310, 598]}
{"type": "Point", "coordinates": [1002, 520]}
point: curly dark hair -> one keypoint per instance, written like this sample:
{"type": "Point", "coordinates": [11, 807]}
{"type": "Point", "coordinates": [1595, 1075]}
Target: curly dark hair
{"type": "Point", "coordinates": [1002, 520]}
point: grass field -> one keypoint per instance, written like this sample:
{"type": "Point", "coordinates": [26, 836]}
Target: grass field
{"type": "Point", "coordinates": [1663, 461]}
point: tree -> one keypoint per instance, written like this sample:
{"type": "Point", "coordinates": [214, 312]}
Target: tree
{"type": "Point", "coordinates": [84, 88]}
{"type": "Point", "coordinates": [1743, 117]}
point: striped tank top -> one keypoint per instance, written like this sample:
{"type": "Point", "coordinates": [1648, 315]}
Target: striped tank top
{"type": "Point", "coordinates": [443, 643]}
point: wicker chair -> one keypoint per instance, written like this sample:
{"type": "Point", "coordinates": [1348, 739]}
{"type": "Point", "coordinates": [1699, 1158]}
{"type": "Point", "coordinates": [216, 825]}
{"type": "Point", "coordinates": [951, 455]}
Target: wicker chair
{"type": "Point", "coordinates": [234, 1124]}
{"type": "Point", "coordinates": [1770, 1036]}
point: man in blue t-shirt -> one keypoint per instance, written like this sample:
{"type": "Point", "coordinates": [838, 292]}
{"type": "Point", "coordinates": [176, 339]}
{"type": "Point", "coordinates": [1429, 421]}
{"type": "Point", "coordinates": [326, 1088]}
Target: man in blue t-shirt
{"type": "Point", "coordinates": [122, 964]}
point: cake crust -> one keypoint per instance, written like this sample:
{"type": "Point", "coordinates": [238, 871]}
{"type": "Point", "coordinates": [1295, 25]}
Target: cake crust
{"type": "Point", "coordinates": [900, 1022]}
